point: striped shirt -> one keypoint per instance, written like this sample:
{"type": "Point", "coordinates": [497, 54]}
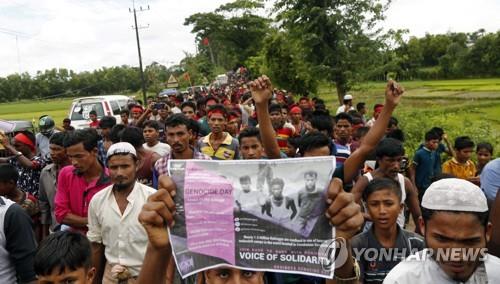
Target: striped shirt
{"type": "Point", "coordinates": [228, 149]}
{"type": "Point", "coordinates": [343, 152]}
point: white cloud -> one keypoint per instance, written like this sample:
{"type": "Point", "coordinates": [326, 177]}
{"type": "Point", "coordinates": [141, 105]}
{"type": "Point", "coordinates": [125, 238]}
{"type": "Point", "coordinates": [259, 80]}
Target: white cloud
{"type": "Point", "coordinates": [89, 34]}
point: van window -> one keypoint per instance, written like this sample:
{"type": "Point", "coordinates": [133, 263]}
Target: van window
{"type": "Point", "coordinates": [115, 107]}
{"type": "Point", "coordinates": [123, 104]}
{"type": "Point", "coordinates": [81, 110]}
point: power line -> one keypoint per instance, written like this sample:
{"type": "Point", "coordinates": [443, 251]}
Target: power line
{"type": "Point", "coordinates": [136, 27]}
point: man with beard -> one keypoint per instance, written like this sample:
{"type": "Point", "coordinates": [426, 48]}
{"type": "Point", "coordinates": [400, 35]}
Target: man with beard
{"type": "Point", "coordinates": [456, 230]}
{"type": "Point", "coordinates": [78, 183]}
{"type": "Point", "coordinates": [118, 240]}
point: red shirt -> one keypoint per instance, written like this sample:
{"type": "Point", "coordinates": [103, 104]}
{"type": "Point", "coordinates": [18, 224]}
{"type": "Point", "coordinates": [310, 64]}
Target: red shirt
{"type": "Point", "coordinates": [73, 193]}
{"type": "Point", "coordinates": [94, 124]}
{"type": "Point", "coordinates": [282, 136]}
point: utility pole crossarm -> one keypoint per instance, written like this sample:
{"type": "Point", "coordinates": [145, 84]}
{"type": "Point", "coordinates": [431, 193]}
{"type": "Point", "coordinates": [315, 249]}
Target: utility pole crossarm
{"type": "Point", "coordinates": [136, 27]}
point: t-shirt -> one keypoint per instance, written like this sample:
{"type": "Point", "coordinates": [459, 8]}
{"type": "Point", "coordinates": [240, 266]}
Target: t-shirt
{"type": "Point", "coordinates": [427, 166]}
{"type": "Point", "coordinates": [282, 135]}
{"type": "Point", "coordinates": [463, 171]}
{"type": "Point", "coordinates": [342, 152]}
{"type": "Point", "coordinates": [249, 201]}
{"type": "Point", "coordinates": [227, 150]}
{"type": "Point", "coordinates": [375, 261]}
{"type": "Point", "coordinates": [160, 148]}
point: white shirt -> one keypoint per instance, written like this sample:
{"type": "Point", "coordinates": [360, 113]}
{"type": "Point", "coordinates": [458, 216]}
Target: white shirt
{"type": "Point", "coordinates": [124, 239]}
{"type": "Point", "coordinates": [426, 270]}
{"type": "Point", "coordinates": [160, 148]}
{"type": "Point", "coordinates": [343, 109]}
{"type": "Point", "coordinates": [370, 122]}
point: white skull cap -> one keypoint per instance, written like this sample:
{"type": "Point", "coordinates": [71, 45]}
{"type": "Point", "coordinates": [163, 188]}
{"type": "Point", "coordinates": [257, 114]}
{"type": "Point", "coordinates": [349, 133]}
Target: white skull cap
{"type": "Point", "coordinates": [121, 148]}
{"type": "Point", "coordinates": [453, 194]}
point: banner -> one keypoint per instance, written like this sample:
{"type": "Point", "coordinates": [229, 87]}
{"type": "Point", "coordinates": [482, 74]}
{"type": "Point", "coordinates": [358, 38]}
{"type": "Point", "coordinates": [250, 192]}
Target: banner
{"type": "Point", "coordinates": [266, 215]}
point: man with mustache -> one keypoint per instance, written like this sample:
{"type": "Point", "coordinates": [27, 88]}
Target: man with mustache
{"type": "Point", "coordinates": [118, 240]}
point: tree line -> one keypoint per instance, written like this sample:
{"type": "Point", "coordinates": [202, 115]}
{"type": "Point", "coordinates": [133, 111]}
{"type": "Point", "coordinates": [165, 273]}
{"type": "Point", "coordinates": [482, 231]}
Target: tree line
{"type": "Point", "coordinates": [299, 43]}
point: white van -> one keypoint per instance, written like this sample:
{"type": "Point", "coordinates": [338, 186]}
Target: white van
{"type": "Point", "coordinates": [103, 105]}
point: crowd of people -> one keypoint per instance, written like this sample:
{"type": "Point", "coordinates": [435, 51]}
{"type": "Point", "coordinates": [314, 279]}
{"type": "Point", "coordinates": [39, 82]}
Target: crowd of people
{"type": "Point", "coordinates": [92, 205]}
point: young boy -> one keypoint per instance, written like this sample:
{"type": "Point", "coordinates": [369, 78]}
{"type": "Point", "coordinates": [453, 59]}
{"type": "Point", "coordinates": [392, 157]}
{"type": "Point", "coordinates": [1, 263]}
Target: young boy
{"type": "Point", "coordinates": [151, 133]}
{"type": "Point", "coordinates": [461, 166]}
{"type": "Point", "coordinates": [425, 163]}
{"type": "Point", "coordinates": [9, 189]}
{"type": "Point", "coordinates": [64, 257]}
{"type": "Point", "coordinates": [383, 200]}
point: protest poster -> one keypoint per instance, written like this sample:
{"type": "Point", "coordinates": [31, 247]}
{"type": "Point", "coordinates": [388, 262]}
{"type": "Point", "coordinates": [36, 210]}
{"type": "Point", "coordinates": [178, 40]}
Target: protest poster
{"type": "Point", "coordinates": [254, 214]}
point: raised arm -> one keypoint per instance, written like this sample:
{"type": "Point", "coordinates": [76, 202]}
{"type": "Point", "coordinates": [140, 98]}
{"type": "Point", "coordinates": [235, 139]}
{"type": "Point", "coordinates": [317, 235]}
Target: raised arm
{"type": "Point", "coordinates": [393, 94]}
{"type": "Point", "coordinates": [262, 91]}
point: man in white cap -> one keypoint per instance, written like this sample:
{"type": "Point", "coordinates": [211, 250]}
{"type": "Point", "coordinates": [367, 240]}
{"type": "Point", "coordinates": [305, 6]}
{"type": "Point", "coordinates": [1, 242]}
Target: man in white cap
{"type": "Point", "coordinates": [347, 106]}
{"type": "Point", "coordinates": [118, 239]}
{"type": "Point", "coordinates": [456, 229]}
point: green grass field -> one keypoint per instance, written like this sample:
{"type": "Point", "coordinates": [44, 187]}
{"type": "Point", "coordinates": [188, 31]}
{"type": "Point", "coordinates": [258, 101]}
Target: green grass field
{"type": "Point", "coordinates": [461, 107]}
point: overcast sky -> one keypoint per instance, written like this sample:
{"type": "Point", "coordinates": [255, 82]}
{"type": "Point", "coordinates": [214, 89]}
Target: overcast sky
{"type": "Point", "coordinates": [88, 34]}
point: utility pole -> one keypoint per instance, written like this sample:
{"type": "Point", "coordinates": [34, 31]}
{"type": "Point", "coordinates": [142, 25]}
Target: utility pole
{"type": "Point", "coordinates": [143, 81]}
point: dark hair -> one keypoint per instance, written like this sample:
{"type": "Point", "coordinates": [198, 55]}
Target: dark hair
{"type": "Point", "coordinates": [194, 126]}
{"type": "Point", "coordinates": [249, 132]}
{"type": "Point", "coordinates": [152, 124]}
{"type": "Point", "coordinates": [278, 181]}
{"type": "Point", "coordinates": [441, 176]}
{"type": "Point", "coordinates": [397, 134]}
{"type": "Point", "coordinates": [132, 135]}
{"type": "Point", "coordinates": [389, 147]}
{"type": "Point", "coordinates": [322, 123]}
{"type": "Point", "coordinates": [63, 250]}
{"type": "Point", "coordinates": [438, 130]}
{"type": "Point", "coordinates": [125, 111]}
{"type": "Point", "coordinates": [486, 146]}
{"type": "Point", "coordinates": [360, 106]}
{"type": "Point", "coordinates": [311, 173]}
{"type": "Point", "coordinates": [481, 216]}
{"type": "Point", "coordinates": [57, 139]}
{"type": "Point", "coordinates": [211, 98]}
{"type": "Point", "coordinates": [303, 98]}
{"type": "Point", "coordinates": [8, 173]}
{"type": "Point", "coordinates": [116, 131]}
{"type": "Point", "coordinates": [343, 115]}
{"type": "Point", "coordinates": [88, 137]}
{"type": "Point", "coordinates": [463, 142]}
{"type": "Point", "coordinates": [381, 184]}
{"type": "Point", "coordinates": [377, 106]}
{"type": "Point", "coordinates": [361, 132]}
{"type": "Point", "coordinates": [245, 178]}
{"type": "Point", "coordinates": [107, 122]}
{"type": "Point", "coordinates": [392, 122]}
{"type": "Point", "coordinates": [274, 108]}
{"type": "Point", "coordinates": [177, 120]}
{"type": "Point", "coordinates": [93, 112]}
{"type": "Point", "coordinates": [431, 135]}
{"type": "Point", "coordinates": [314, 140]}
{"type": "Point", "coordinates": [189, 104]}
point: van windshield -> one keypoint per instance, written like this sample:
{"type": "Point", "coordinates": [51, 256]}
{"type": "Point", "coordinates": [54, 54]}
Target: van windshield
{"type": "Point", "coordinates": [81, 110]}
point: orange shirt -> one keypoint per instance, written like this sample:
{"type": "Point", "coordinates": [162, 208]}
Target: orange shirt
{"type": "Point", "coordinates": [463, 171]}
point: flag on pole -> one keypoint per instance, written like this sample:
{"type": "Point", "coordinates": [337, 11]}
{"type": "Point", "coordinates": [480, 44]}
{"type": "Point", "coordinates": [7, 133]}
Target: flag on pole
{"type": "Point", "coordinates": [205, 41]}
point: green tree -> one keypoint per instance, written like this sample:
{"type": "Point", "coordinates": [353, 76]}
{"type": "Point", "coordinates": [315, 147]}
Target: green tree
{"type": "Point", "coordinates": [332, 33]}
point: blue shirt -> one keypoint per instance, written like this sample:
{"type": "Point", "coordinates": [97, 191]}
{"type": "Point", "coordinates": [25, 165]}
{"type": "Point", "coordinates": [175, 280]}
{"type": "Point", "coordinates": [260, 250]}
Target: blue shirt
{"type": "Point", "coordinates": [490, 179]}
{"type": "Point", "coordinates": [427, 166]}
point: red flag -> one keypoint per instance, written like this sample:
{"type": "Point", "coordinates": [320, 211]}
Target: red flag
{"type": "Point", "coordinates": [205, 41]}
{"type": "Point", "coordinates": [187, 77]}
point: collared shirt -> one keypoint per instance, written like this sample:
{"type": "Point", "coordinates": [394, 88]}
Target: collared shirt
{"type": "Point", "coordinates": [74, 193]}
{"type": "Point", "coordinates": [124, 239]}
{"type": "Point", "coordinates": [48, 186]}
{"type": "Point", "coordinates": [424, 269]}
{"type": "Point", "coordinates": [464, 171]}
{"type": "Point", "coordinates": [161, 166]}
{"type": "Point", "coordinates": [228, 149]}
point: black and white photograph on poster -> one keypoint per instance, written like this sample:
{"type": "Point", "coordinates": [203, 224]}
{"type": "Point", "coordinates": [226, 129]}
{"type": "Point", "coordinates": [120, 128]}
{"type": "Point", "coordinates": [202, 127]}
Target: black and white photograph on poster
{"type": "Point", "coordinates": [252, 214]}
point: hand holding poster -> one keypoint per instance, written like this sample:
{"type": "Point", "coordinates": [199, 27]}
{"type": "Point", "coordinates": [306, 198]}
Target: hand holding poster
{"type": "Point", "coordinates": [253, 214]}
